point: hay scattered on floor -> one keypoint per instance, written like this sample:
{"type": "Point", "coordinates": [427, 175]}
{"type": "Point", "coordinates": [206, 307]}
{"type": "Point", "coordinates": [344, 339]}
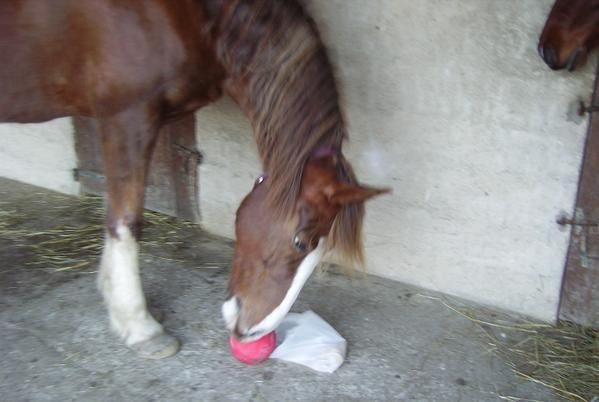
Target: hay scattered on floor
{"type": "Point", "coordinates": [563, 358]}
{"type": "Point", "coordinates": [79, 245]}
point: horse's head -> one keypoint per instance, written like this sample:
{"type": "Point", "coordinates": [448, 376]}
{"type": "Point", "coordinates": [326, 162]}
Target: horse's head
{"type": "Point", "coordinates": [275, 253]}
{"type": "Point", "coordinates": [570, 33]}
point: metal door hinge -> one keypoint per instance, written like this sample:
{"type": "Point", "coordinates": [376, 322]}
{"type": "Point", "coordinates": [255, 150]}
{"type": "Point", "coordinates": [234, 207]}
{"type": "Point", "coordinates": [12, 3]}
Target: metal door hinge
{"type": "Point", "coordinates": [584, 109]}
{"type": "Point", "coordinates": [576, 222]}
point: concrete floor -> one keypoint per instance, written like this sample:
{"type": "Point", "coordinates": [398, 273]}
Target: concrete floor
{"type": "Point", "coordinates": [56, 345]}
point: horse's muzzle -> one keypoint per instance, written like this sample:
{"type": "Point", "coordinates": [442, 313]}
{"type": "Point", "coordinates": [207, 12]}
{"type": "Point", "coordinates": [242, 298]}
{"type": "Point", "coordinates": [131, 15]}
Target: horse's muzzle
{"type": "Point", "coordinates": [231, 311]}
{"type": "Point", "coordinates": [549, 56]}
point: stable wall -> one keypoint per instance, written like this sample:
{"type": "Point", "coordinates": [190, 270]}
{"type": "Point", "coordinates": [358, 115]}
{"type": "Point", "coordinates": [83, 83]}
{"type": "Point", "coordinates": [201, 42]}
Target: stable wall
{"type": "Point", "coordinates": [39, 154]}
{"type": "Point", "coordinates": [449, 104]}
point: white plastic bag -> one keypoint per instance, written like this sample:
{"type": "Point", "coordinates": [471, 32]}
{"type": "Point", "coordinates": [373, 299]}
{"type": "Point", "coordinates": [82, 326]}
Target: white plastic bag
{"type": "Point", "coordinates": [309, 340]}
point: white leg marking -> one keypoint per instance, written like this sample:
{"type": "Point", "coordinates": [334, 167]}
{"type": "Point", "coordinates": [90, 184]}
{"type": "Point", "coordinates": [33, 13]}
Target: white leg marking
{"type": "Point", "coordinates": [120, 284]}
{"type": "Point", "coordinates": [272, 321]}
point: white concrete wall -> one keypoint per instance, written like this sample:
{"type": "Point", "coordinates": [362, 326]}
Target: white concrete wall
{"type": "Point", "coordinates": [39, 154]}
{"type": "Point", "coordinates": [450, 105]}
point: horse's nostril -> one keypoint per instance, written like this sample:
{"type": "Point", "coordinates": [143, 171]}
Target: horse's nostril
{"type": "Point", "coordinates": [573, 59]}
{"type": "Point", "coordinates": [549, 56]}
{"type": "Point", "coordinates": [541, 50]}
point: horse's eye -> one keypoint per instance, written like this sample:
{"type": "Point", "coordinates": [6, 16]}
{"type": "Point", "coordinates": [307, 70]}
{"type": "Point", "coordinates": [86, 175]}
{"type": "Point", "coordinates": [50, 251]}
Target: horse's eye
{"type": "Point", "coordinates": [299, 244]}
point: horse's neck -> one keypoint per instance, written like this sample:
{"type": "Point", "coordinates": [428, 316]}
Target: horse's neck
{"type": "Point", "coordinates": [279, 73]}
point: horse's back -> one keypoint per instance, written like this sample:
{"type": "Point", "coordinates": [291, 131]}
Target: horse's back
{"type": "Point", "coordinates": [91, 58]}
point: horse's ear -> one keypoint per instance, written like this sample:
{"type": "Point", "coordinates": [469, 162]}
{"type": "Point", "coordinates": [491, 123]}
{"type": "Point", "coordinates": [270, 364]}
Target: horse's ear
{"type": "Point", "coordinates": [343, 193]}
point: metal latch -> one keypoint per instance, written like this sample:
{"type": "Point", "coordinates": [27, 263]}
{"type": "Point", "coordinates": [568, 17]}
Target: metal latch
{"type": "Point", "coordinates": [582, 229]}
{"type": "Point", "coordinates": [100, 179]}
{"type": "Point", "coordinates": [89, 174]}
{"type": "Point", "coordinates": [197, 156]}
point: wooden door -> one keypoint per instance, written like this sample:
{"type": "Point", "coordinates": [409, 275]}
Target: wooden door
{"type": "Point", "coordinates": [580, 291]}
{"type": "Point", "coordinates": [172, 186]}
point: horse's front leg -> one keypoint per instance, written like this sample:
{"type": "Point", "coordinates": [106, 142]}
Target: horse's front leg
{"type": "Point", "coordinates": [127, 141]}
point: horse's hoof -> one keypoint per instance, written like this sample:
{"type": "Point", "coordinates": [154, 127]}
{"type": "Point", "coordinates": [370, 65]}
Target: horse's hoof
{"type": "Point", "coordinates": [158, 347]}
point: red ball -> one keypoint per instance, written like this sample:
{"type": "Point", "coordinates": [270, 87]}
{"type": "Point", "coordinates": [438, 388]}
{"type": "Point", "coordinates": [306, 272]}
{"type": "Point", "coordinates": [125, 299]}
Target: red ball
{"type": "Point", "coordinates": [253, 352]}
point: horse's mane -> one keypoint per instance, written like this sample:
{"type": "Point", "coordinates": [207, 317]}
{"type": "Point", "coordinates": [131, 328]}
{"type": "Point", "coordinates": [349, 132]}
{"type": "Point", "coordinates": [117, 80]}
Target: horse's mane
{"type": "Point", "coordinates": [273, 50]}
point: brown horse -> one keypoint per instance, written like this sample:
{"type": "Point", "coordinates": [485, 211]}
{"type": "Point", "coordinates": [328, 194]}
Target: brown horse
{"type": "Point", "coordinates": [570, 33]}
{"type": "Point", "coordinates": [134, 65]}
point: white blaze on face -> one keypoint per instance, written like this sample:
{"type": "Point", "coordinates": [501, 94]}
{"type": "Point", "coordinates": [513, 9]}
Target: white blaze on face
{"type": "Point", "coordinates": [230, 308]}
{"type": "Point", "coordinates": [230, 312]}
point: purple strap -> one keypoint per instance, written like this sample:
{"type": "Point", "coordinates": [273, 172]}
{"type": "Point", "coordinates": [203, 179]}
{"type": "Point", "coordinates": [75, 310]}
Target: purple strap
{"type": "Point", "coordinates": [325, 150]}
{"type": "Point", "coordinates": [320, 152]}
